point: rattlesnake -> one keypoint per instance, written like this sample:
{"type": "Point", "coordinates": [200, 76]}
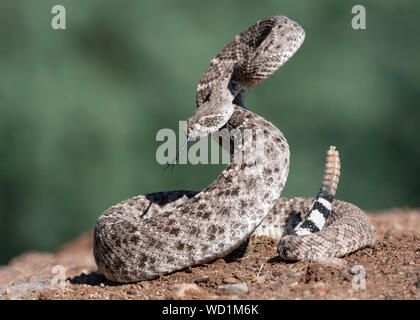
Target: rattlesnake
{"type": "Point", "coordinates": [147, 236]}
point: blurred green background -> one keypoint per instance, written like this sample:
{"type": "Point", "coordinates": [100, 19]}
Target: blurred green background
{"type": "Point", "coordinates": [80, 108]}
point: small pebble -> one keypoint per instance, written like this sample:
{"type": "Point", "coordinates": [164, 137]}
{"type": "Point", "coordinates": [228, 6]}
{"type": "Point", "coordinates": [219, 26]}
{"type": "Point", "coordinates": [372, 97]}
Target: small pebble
{"type": "Point", "coordinates": [332, 262]}
{"type": "Point", "coordinates": [319, 285]}
{"type": "Point", "coordinates": [202, 279]}
{"type": "Point", "coordinates": [229, 280]}
{"type": "Point", "coordinates": [355, 270]}
{"type": "Point", "coordinates": [233, 289]}
{"type": "Point", "coordinates": [180, 290]}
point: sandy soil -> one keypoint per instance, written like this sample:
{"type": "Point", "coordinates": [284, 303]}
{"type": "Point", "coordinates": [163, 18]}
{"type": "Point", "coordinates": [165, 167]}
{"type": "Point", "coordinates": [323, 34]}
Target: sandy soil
{"type": "Point", "coordinates": [390, 270]}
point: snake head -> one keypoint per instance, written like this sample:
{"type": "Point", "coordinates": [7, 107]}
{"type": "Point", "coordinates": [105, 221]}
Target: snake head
{"type": "Point", "coordinates": [208, 119]}
{"type": "Point", "coordinates": [213, 114]}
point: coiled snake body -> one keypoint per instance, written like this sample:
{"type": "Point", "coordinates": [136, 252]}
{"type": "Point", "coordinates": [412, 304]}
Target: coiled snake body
{"type": "Point", "coordinates": [147, 236]}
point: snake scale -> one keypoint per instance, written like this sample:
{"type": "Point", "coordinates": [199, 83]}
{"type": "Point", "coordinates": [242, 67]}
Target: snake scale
{"type": "Point", "coordinates": [151, 235]}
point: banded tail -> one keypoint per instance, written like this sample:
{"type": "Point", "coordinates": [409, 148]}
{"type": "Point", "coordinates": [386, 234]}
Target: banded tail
{"type": "Point", "coordinates": [316, 218]}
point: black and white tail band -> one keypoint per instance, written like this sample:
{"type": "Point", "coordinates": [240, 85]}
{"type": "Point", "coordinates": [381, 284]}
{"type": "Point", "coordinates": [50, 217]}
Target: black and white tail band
{"type": "Point", "coordinates": [317, 216]}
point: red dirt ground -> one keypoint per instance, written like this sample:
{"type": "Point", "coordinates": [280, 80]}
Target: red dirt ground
{"type": "Point", "coordinates": [391, 271]}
